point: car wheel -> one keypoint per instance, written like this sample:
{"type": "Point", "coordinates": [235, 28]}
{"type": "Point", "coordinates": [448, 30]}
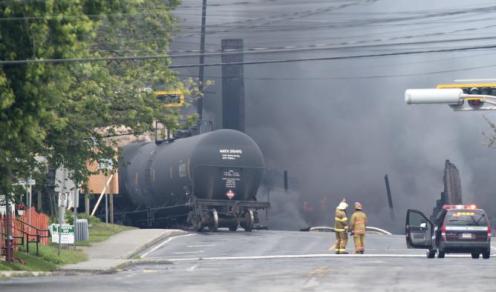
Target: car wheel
{"type": "Point", "coordinates": [486, 254]}
{"type": "Point", "coordinates": [475, 255]}
{"type": "Point", "coordinates": [440, 254]}
{"type": "Point", "coordinates": [431, 254]}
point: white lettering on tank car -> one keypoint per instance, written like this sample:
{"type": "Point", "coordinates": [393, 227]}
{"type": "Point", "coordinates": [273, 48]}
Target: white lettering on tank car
{"type": "Point", "coordinates": [230, 154]}
{"type": "Point", "coordinates": [231, 177]}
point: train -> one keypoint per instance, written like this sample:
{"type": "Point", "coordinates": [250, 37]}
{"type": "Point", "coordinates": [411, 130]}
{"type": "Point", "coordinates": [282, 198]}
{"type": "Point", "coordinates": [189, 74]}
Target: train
{"type": "Point", "coordinates": [208, 180]}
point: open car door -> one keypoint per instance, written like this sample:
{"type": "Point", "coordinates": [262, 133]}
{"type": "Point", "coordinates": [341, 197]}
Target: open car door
{"type": "Point", "coordinates": [418, 230]}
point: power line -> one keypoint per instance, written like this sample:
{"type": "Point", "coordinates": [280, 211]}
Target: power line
{"type": "Point", "coordinates": [430, 34]}
{"type": "Point", "coordinates": [380, 76]}
{"type": "Point", "coordinates": [251, 51]}
{"type": "Point", "coordinates": [165, 56]}
{"type": "Point", "coordinates": [313, 47]}
{"type": "Point", "coordinates": [338, 57]}
{"type": "Point", "coordinates": [267, 20]}
{"type": "Point", "coordinates": [261, 22]}
{"type": "Point", "coordinates": [322, 47]}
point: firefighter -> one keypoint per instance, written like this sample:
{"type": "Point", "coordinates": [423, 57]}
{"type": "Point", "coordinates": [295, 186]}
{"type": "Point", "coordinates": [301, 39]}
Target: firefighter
{"type": "Point", "coordinates": [358, 222]}
{"type": "Point", "coordinates": [341, 227]}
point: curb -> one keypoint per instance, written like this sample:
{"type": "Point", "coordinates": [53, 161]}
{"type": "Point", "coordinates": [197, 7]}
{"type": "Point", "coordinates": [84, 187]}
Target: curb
{"type": "Point", "coordinates": [130, 260]}
{"type": "Point", "coordinates": [154, 242]}
{"type": "Point", "coordinates": [123, 266]}
{"type": "Point", "coordinates": [11, 274]}
{"type": "Point", "coordinates": [133, 263]}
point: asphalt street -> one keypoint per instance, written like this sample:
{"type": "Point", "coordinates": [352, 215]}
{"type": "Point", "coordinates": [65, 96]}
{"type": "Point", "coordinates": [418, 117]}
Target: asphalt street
{"type": "Point", "coordinates": [279, 261]}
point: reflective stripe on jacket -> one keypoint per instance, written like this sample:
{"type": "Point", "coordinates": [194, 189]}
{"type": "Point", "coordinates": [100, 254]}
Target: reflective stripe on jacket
{"type": "Point", "coordinates": [358, 222]}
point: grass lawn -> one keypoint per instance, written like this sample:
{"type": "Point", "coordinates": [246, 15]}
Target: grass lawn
{"type": "Point", "coordinates": [100, 231]}
{"type": "Point", "coordinates": [49, 260]}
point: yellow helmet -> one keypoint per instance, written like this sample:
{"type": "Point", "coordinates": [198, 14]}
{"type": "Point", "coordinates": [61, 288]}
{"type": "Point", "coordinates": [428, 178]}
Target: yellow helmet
{"type": "Point", "coordinates": [358, 206]}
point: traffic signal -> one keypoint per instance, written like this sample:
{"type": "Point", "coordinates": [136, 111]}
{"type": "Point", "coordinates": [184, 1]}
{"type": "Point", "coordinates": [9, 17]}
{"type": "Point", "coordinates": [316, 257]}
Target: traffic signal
{"type": "Point", "coordinates": [171, 98]}
{"type": "Point", "coordinates": [474, 94]}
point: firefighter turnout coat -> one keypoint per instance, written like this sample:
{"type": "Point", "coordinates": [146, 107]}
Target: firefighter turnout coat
{"type": "Point", "coordinates": [358, 223]}
{"type": "Point", "coordinates": [341, 228]}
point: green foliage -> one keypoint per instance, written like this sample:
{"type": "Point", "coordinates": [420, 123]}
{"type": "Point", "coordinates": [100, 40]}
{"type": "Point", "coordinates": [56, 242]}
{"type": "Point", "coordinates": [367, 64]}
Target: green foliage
{"type": "Point", "coordinates": [92, 220]}
{"type": "Point", "coordinates": [64, 111]}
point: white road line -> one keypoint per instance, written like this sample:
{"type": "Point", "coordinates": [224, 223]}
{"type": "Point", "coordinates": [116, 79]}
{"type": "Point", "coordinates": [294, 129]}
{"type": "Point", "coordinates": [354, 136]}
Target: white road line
{"type": "Point", "coordinates": [388, 249]}
{"type": "Point", "coordinates": [163, 243]}
{"type": "Point", "coordinates": [188, 252]}
{"type": "Point", "coordinates": [200, 245]}
{"type": "Point", "coordinates": [303, 256]}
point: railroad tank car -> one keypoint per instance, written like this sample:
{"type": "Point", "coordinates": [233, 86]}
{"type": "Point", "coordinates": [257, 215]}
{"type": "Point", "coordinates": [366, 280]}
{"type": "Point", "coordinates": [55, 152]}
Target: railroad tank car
{"type": "Point", "coordinates": [210, 179]}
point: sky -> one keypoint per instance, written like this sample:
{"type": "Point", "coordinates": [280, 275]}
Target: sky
{"type": "Point", "coordinates": [338, 126]}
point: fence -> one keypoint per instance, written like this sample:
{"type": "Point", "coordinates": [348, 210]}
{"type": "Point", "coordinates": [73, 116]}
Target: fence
{"type": "Point", "coordinates": [30, 227]}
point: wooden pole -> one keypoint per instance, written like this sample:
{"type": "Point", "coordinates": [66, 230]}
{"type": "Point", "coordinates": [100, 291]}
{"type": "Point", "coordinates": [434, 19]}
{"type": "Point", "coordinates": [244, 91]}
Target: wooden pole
{"type": "Point", "coordinates": [9, 248]}
{"type": "Point", "coordinates": [111, 205]}
{"type": "Point", "coordinates": [38, 202]}
{"type": "Point", "coordinates": [87, 204]}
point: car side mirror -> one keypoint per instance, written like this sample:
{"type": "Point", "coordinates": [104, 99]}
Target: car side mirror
{"type": "Point", "coordinates": [423, 225]}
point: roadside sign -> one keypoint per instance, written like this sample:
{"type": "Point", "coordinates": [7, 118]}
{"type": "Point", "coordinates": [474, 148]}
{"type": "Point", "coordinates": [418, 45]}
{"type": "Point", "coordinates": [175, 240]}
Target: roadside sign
{"type": "Point", "coordinates": [73, 200]}
{"type": "Point", "coordinates": [3, 205]}
{"type": "Point", "coordinates": [63, 198]}
{"type": "Point", "coordinates": [65, 231]}
{"type": "Point", "coordinates": [28, 182]}
{"type": "Point", "coordinates": [105, 164]}
{"type": "Point", "coordinates": [63, 183]}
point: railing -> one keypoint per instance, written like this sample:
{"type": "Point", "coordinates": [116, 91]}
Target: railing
{"type": "Point", "coordinates": [31, 227]}
{"type": "Point", "coordinates": [31, 234]}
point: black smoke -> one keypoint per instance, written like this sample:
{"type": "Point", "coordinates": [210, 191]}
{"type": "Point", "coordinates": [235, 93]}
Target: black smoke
{"type": "Point", "coordinates": [340, 126]}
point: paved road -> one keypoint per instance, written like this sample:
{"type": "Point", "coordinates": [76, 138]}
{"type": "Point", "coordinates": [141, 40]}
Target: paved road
{"type": "Point", "coordinates": [279, 261]}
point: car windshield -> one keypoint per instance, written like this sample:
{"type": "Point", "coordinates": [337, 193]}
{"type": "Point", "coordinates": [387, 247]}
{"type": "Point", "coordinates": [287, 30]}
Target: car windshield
{"type": "Point", "coordinates": [466, 217]}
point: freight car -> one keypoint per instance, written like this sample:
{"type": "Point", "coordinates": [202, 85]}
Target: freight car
{"type": "Point", "coordinates": [208, 180]}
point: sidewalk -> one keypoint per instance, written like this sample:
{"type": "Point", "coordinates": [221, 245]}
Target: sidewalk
{"type": "Point", "coordinates": [119, 250]}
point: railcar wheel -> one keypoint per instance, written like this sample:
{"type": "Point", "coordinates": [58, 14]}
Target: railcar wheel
{"type": "Point", "coordinates": [196, 223]}
{"type": "Point", "coordinates": [249, 220]}
{"type": "Point", "coordinates": [198, 226]}
{"type": "Point", "coordinates": [214, 221]}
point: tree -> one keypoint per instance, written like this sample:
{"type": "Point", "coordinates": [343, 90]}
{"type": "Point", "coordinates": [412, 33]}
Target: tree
{"type": "Point", "coordinates": [54, 110]}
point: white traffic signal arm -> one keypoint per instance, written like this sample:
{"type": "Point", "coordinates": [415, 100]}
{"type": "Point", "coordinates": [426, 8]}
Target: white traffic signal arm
{"type": "Point", "coordinates": [455, 97]}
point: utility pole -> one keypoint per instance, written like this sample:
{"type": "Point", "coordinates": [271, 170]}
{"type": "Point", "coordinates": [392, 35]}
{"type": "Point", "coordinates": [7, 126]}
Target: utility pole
{"type": "Point", "coordinates": [389, 197]}
{"type": "Point", "coordinates": [286, 181]}
{"type": "Point", "coordinates": [9, 254]}
{"type": "Point", "coordinates": [233, 86]}
{"type": "Point", "coordinates": [76, 206]}
{"type": "Point", "coordinates": [201, 69]}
